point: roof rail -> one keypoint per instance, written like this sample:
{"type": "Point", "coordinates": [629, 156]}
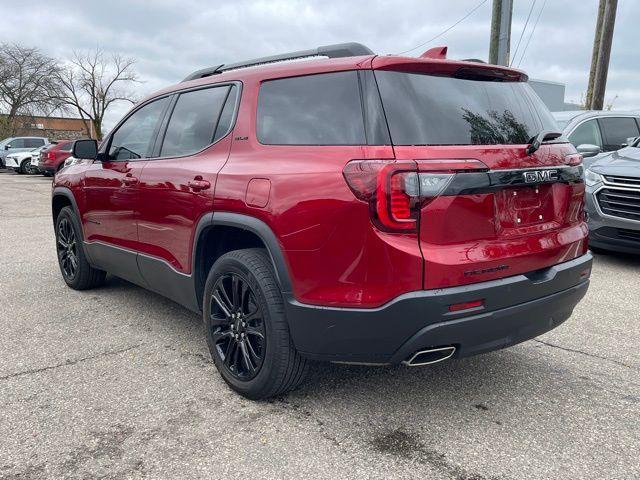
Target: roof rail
{"type": "Point", "coordinates": [338, 50]}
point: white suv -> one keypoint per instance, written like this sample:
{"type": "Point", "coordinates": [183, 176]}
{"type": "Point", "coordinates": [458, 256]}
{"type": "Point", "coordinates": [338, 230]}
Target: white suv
{"type": "Point", "coordinates": [19, 144]}
{"type": "Point", "coordinates": [23, 162]}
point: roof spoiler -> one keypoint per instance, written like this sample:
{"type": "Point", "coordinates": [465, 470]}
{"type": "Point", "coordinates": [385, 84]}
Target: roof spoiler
{"type": "Point", "coordinates": [338, 50]}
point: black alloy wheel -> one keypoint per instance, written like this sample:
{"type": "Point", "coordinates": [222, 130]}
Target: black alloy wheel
{"type": "Point", "coordinates": [67, 249]}
{"type": "Point", "coordinates": [246, 326]}
{"type": "Point", "coordinates": [237, 326]}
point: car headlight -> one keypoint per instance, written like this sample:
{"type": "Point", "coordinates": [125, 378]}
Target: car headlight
{"type": "Point", "coordinates": [592, 178]}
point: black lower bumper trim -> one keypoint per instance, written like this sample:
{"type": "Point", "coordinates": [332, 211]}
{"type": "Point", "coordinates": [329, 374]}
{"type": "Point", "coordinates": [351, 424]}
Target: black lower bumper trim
{"type": "Point", "coordinates": [515, 309]}
{"type": "Point", "coordinates": [615, 239]}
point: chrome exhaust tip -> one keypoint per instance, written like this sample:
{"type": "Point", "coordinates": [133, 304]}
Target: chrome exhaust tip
{"type": "Point", "coordinates": [430, 356]}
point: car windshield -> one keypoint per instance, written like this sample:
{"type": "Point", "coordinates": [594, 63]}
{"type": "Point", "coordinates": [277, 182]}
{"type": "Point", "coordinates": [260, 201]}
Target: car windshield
{"type": "Point", "coordinates": [434, 110]}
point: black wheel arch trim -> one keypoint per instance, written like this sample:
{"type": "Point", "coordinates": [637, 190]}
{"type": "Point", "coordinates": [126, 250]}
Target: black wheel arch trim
{"type": "Point", "coordinates": [65, 192]}
{"type": "Point", "coordinates": [255, 226]}
{"type": "Point", "coordinates": [68, 194]}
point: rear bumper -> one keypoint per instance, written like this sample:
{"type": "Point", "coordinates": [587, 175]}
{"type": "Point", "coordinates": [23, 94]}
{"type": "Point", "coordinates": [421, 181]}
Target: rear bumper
{"type": "Point", "coordinates": [515, 309]}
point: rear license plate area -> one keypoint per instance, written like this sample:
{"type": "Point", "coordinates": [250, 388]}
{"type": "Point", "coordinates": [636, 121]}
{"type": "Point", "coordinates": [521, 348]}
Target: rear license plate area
{"type": "Point", "coordinates": [524, 206]}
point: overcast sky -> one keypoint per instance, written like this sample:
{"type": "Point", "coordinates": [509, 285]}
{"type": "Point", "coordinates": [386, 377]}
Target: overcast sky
{"type": "Point", "coordinates": [171, 38]}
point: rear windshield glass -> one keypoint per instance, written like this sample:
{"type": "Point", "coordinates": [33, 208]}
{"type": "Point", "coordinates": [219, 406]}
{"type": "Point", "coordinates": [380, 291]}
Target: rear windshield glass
{"type": "Point", "coordinates": [431, 110]}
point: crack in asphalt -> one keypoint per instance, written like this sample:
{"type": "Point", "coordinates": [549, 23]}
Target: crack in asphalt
{"type": "Point", "coordinates": [67, 362]}
{"type": "Point", "coordinates": [592, 355]}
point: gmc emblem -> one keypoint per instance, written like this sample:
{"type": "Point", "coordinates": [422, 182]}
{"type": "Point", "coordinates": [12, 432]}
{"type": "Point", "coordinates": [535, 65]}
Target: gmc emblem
{"type": "Point", "coordinates": [540, 176]}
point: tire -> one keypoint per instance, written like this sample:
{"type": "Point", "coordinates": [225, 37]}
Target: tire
{"type": "Point", "coordinates": [25, 166]}
{"type": "Point", "coordinates": [76, 270]}
{"type": "Point", "coordinates": [261, 327]}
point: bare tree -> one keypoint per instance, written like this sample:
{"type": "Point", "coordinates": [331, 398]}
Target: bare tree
{"type": "Point", "coordinates": [28, 82]}
{"type": "Point", "coordinates": [92, 82]}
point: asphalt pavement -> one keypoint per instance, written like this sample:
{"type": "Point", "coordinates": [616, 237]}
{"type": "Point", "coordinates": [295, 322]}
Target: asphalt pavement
{"type": "Point", "coordinates": [118, 383]}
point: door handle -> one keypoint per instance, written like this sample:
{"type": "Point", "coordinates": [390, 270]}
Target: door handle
{"type": "Point", "coordinates": [198, 184]}
{"type": "Point", "coordinates": [129, 180]}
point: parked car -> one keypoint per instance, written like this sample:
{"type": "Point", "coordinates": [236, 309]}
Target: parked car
{"type": "Point", "coordinates": [22, 162]}
{"type": "Point", "coordinates": [35, 158]}
{"type": "Point", "coordinates": [19, 144]}
{"type": "Point", "coordinates": [613, 200]}
{"type": "Point", "coordinates": [595, 132]}
{"type": "Point", "coordinates": [303, 221]}
{"type": "Point", "coordinates": [52, 159]}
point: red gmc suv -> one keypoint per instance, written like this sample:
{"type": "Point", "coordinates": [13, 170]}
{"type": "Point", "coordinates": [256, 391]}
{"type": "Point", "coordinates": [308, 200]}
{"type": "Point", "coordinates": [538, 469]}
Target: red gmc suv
{"type": "Point", "coordinates": [355, 208]}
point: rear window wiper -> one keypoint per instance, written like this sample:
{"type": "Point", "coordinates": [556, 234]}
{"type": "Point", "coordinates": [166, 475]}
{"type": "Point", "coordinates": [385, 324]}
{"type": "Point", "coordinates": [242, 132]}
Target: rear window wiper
{"type": "Point", "coordinates": [535, 142]}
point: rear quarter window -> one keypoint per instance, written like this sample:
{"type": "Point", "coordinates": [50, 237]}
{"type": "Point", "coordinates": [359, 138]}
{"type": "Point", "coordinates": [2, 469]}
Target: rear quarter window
{"type": "Point", "coordinates": [322, 109]}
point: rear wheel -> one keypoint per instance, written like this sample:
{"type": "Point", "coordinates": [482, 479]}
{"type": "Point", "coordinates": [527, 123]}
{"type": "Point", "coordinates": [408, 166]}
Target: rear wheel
{"type": "Point", "coordinates": [246, 329]}
{"type": "Point", "coordinates": [75, 269]}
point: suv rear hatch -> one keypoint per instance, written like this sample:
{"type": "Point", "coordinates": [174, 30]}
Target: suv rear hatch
{"type": "Point", "coordinates": [483, 206]}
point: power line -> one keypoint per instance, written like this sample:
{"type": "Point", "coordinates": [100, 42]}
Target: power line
{"type": "Point", "coordinates": [533, 29]}
{"type": "Point", "coordinates": [445, 31]}
{"type": "Point", "coordinates": [524, 29]}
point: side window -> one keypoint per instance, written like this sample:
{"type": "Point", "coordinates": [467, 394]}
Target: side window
{"type": "Point", "coordinates": [17, 143]}
{"type": "Point", "coordinates": [135, 137]}
{"type": "Point", "coordinates": [322, 109]}
{"type": "Point", "coordinates": [33, 142]}
{"type": "Point", "coordinates": [67, 147]}
{"type": "Point", "coordinates": [193, 121]}
{"type": "Point", "coordinates": [226, 117]}
{"type": "Point", "coordinates": [587, 132]}
{"type": "Point", "coordinates": [616, 130]}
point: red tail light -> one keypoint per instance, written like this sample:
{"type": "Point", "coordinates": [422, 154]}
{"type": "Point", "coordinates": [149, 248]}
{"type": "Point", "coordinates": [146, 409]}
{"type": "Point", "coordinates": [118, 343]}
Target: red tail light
{"type": "Point", "coordinates": [382, 184]}
{"type": "Point", "coordinates": [399, 200]}
{"type": "Point", "coordinates": [397, 189]}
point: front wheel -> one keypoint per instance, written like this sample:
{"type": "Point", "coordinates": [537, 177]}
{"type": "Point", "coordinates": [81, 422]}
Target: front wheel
{"type": "Point", "coordinates": [25, 166]}
{"type": "Point", "coordinates": [74, 266]}
{"type": "Point", "coordinates": [246, 328]}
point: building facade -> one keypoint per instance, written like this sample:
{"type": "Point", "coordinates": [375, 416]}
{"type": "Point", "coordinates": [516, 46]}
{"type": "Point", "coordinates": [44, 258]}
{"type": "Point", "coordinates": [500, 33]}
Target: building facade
{"type": "Point", "coordinates": [54, 128]}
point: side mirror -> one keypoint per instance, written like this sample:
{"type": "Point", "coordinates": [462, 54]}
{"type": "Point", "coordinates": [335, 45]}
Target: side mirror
{"type": "Point", "coordinates": [85, 149]}
{"type": "Point", "coordinates": [6, 147]}
{"type": "Point", "coordinates": [587, 150]}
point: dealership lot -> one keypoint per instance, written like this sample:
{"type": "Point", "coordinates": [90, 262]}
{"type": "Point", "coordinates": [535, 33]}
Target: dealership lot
{"type": "Point", "coordinates": [118, 383]}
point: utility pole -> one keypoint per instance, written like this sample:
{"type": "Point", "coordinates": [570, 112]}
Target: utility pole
{"type": "Point", "coordinates": [604, 54]}
{"type": "Point", "coordinates": [594, 55]}
{"type": "Point", "coordinates": [500, 40]}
